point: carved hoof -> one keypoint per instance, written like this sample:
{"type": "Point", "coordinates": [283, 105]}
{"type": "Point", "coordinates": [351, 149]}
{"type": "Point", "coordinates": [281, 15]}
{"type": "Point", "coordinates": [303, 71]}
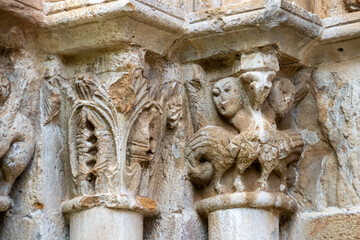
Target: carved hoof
{"type": "Point", "coordinates": [5, 203]}
{"type": "Point", "coordinates": [239, 186]}
{"type": "Point", "coordinates": [261, 186]}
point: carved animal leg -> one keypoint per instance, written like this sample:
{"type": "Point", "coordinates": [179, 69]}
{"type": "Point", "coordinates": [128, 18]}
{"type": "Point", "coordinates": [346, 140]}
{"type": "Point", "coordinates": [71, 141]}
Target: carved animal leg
{"type": "Point", "coordinates": [242, 165]}
{"type": "Point", "coordinates": [219, 188]}
{"type": "Point", "coordinates": [239, 185]}
{"type": "Point", "coordinates": [281, 172]}
{"type": "Point", "coordinates": [266, 168]}
{"type": "Point", "coordinates": [13, 164]}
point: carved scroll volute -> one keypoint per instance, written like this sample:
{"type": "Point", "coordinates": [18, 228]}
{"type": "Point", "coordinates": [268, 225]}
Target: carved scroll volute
{"type": "Point", "coordinates": [93, 148]}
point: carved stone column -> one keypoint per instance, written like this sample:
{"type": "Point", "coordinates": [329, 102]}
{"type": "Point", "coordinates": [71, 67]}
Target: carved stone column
{"type": "Point", "coordinates": [245, 168]}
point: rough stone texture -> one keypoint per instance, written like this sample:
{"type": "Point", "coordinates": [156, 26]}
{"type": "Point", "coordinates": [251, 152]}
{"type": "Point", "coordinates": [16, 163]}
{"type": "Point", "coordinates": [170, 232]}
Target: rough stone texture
{"type": "Point", "coordinates": [330, 224]}
{"type": "Point", "coordinates": [121, 94]}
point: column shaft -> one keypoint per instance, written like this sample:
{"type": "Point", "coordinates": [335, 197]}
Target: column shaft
{"type": "Point", "coordinates": [106, 224]}
{"type": "Point", "coordinates": [244, 224]}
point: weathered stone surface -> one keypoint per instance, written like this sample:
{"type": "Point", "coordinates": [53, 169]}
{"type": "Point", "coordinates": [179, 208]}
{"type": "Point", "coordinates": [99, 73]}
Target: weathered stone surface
{"type": "Point", "coordinates": [177, 118]}
{"type": "Point", "coordinates": [330, 224]}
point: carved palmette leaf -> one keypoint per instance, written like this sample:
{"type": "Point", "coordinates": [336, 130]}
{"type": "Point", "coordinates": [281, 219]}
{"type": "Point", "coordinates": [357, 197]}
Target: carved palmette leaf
{"type": "Point", "coordinates": [132, 177]}
{"type": "Point", "coordinates": [94, 156]}
{"type": "Point", "coordinates": [85, 86]}
{"type": "Point", "coordinates": [144, 137]}
{"type": "Point", "coordinates": [194, 76]}
{"type": "Point", "coordinates": [51, 102]}
{"type": "Point", "coordinates": [198, 117]}
{"type": "Point", "coordinates": [174, 107]}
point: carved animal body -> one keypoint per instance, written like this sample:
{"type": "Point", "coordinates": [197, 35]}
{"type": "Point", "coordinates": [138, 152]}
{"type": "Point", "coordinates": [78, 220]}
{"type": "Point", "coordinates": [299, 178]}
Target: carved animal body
{"type": "Point", "coordinates": [212, 151]}
{"type": "Point", "coordinates": [209, 156]}
{"type": "Point", "coordinates": [274, 151]}
{"type": "Point", "coordinates": [16, 148]}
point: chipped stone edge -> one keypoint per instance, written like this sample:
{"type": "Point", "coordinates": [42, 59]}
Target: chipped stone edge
{"type": "Point", "coordinates": [341, 27]}
{"type": "Point", "coordinates": [173, 21]}
{"type": "Point", "coordinates": [259, 199]}
{"type": "Point", "coordinates": [146, 206]}
{"type": "Point", "coordinates": [237, 15]}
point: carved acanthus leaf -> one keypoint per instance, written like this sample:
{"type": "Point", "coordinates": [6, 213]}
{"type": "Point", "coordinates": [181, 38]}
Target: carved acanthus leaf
{"type": "Point", "coordinates": [199, 120]}
{"type": "Point", "coordinates": [85, 86]}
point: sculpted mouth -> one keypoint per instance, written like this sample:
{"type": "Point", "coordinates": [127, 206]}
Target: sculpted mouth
{"type": "Point", "coordinates": [223, 106]}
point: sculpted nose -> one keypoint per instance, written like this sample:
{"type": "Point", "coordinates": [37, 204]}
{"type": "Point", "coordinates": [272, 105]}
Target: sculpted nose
{"type": "Point", "coordinates": [222, 98]}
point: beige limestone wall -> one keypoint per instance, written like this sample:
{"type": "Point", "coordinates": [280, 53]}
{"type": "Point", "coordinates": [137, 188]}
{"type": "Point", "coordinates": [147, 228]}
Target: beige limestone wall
{"type": "Point", "coordinates": [327, 187]}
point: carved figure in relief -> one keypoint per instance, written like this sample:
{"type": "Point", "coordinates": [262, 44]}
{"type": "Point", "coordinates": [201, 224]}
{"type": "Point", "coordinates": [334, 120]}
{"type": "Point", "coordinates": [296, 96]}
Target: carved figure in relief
{"type": "Point", "coordinates": [212, 150]}
{"type": "Point", "coordinates": [17, 142]}
{"type": "Point", "coordinates": [262, 141]}
{"type": "Point", "coordinates": [208, 151]}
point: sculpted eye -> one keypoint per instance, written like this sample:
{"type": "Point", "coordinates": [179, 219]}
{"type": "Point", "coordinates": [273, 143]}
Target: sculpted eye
{"type": "Point", "coordinates": [227, 89]}
{"type": "Point", "coordinates": [216, 92]}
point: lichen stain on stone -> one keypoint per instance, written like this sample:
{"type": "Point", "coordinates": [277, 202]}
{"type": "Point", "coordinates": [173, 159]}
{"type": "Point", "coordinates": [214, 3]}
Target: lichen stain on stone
{"type": "Point", "coordinates": [147, 203]}
{"type": "Point", "coordinates": [122, 94]}
{"type": "Point", "coordinates": [38, 206]}
{"type": "Point", "coordinates": [131, 6]}
{"type": "Point", "coordinates": [90, 201]}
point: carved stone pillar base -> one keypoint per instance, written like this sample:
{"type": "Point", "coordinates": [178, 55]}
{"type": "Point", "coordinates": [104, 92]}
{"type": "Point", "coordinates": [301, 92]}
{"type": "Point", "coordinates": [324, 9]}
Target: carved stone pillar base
{"type": "Point", "coordinates": [108, 217]}
{"type": "Point", "coordinates": [244, 223]}
{"type": "Point", "coordinates": [5, 203]}
{"type": "Point", "coordinates": [245, 215]}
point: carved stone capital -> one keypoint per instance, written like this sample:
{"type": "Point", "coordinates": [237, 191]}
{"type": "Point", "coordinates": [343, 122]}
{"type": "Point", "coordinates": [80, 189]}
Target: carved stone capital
{"type": "Point", "coordinates": [245, 154]}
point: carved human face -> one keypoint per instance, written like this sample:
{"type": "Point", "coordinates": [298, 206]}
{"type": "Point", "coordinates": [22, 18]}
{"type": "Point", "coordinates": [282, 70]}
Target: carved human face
{"type": "Point", "coordinates": [282, 96]}
{"type": "Point", "coordinates": [227, 97]}
{"type": "Point", "coordinates": [4, 89]}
